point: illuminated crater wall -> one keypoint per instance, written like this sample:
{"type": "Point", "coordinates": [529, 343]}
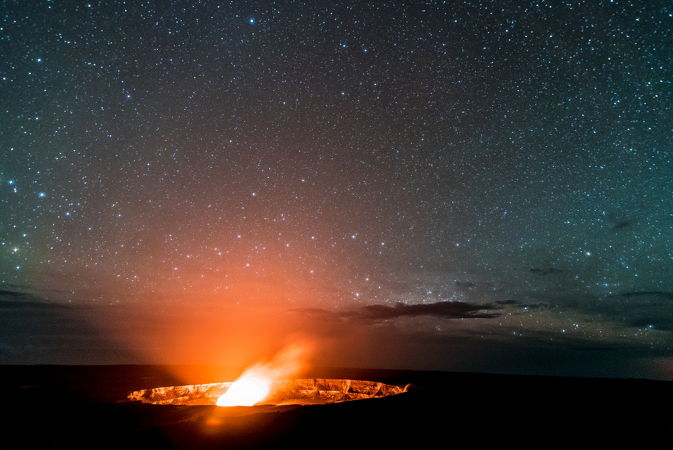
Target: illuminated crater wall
{"type": "Point", "coordinates": [313, 391]}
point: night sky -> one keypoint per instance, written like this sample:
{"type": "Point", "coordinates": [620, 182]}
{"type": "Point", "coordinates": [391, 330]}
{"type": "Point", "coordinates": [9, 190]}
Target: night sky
{"type": "Point", "coordinates": [458, 185]}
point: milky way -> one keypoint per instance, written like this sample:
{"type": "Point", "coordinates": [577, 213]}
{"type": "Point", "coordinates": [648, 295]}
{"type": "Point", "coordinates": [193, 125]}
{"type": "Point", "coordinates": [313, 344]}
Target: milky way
{"type": "Point", "coordinates": [476, 174]}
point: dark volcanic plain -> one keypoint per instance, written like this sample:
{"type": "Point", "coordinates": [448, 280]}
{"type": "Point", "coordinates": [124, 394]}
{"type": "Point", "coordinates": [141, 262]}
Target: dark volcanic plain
{"type": "Point", "coordinates": [85, 407]}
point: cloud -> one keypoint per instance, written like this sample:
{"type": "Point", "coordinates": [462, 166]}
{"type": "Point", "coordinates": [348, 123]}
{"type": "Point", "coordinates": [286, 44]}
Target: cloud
{"type": "Point", "coordinates": [35, 330]}
{"type": "Point", "coordinates": [16, 299]}
{"type": "Point", "coordinates": [545, 270]}
{"type": "Point", "coordinates": [444, 309]}
{"type": "Point", "coordinates": [617, 222]}
{"type": "Point", "coordinates": [622, 225]}
{"type": "Point", "coordinates": [476, 346]}
{"type": "Point", "coordinates": [651, 294]}
{"type": "Point", "coordinates": [646, 309]}
{"type": "Point", "coordinates": [15, 304]}
{"type": "Point", "coordinates": [452, 310]}
{"type": "Point", "coordinates": [11, 294]}
{"type": "Point", "coordinates": [506, 302]}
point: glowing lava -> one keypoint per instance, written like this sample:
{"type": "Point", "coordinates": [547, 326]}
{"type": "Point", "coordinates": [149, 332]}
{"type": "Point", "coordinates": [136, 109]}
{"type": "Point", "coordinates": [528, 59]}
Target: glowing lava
{"type": "Point", "coordinates": [248, 390]}
{"type": "Point", "coordinates": [255, 384]}
{"type": "Point", "coordinates": [271, 383]}
{"type": "Point", "coordinates": [306, 391]}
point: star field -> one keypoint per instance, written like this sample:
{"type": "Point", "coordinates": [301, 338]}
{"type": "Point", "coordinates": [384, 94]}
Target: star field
{"type": "Point", "coordinates": [338, 156]}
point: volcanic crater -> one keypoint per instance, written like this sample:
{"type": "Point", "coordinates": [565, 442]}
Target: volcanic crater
{"type": "Point", "coordinates": [309, 391]}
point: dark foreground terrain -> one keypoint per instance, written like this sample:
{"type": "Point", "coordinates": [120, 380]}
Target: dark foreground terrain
{"type": "Point", "coordinates": [84, 407]}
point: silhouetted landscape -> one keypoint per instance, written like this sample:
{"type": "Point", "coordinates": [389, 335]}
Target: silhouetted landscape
{"type": "Point", "coordinates": [86, 407]}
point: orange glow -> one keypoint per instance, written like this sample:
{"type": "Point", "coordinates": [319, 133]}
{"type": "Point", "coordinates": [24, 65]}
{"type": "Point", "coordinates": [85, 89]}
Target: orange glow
{"type": "Point", "coordinates": [248, 390]}
{"type": "Point", "coordinates": [254, 385]}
